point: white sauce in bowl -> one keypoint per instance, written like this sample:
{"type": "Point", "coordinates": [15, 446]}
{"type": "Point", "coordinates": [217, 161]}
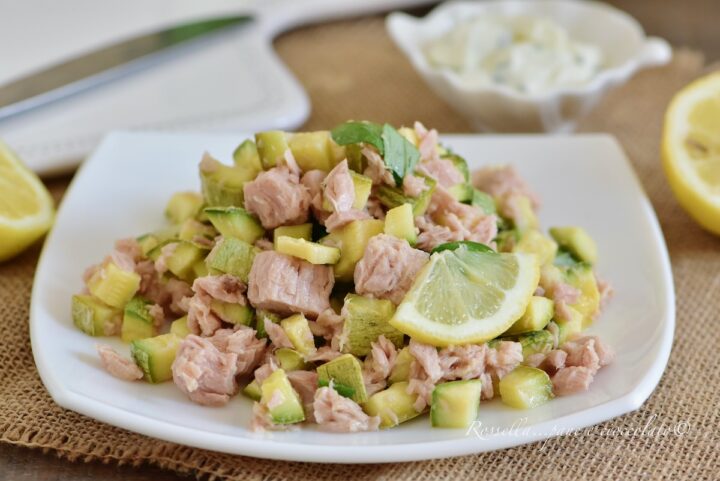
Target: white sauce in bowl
{"type": "Point", "coordinates": [525, 53]}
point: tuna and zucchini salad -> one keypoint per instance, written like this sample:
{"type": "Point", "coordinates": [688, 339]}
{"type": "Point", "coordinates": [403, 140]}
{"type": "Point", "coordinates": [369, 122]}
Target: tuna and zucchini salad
{"type": "Point", "coordinates": [353, 279]}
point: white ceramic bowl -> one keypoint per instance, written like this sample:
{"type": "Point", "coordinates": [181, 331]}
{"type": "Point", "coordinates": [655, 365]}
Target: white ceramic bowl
{"type": "Point", "coordinates": [501, 109]}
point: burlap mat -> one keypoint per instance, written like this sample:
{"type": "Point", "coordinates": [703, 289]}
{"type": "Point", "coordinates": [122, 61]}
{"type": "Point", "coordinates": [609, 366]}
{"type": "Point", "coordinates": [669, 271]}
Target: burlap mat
{"type": "Point", "coordinates": [351, 70]}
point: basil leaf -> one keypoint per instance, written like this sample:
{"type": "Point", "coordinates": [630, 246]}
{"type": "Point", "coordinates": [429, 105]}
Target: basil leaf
{"type": "Point", "coordinates": [400, 155]}
{"type": "Point", "coordinates": [357, 132]}
{"type": "Point", "coordinates": [470, 245]}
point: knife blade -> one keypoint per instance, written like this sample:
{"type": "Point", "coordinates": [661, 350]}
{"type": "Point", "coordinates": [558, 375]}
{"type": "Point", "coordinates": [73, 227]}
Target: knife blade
{"type": "Point", "coordinates": [105, 64]}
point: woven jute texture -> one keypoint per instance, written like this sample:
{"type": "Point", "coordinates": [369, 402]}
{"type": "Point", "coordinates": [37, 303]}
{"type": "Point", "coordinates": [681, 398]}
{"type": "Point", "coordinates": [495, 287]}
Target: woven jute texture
{"type": "Point", "coordinates": [351, 70]}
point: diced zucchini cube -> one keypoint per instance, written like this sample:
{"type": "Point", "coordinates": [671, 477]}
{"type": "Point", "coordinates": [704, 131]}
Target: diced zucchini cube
{"type": "Point", "coordinates": [191, 228]}
{"type": "Point", "coordinates": [352, 240]}
{"type": "Point", "coordinates": [233, 313]}
{"type": "Point", "coordinates": [222, 185]}
{"type": "Point", "coordinates": [271, 146]}
{"type": "Point", "coordinates": [180, 328]}
{"type": "Point", "coordinates": [393, 405]}
{"type": "Point", "coordinates": [155, 356]}
{"type": "Point", "coordinates": [536, 342]}
{"type": "Point", "coordinates": [483, 201]}
{"type": "Point", "coordinates": [183, 206]}
{"type": "Point", "coordinates": [401, 370]}
{"type": "Point", "coordinates": [525, 388]}
{"type": "Point", "coordinates": [312, 252]}
{"type": "Point", "coordinates": [537, 315]}
{"type": "Point", "coordinates": [286, 407]}
{"type": "Point", "coordinates": [400, 222]}
{"type": "Point", "coordinates": [232, 256]}
{"type": "Point", "coordinates": [462, 192]}
{"type": "Point", "coordinates": [312, 150]}
{"type": "Point", "coordinates": [393, 196]}
{"type": "Point", "coordinates": [137, 323]}
{"type": "Point", "coordinates": [300, 231]}
{"type": "Point", "coordinates": [410, 135]}
{"type": "Point", "coordinates": [533, 241]}
{"type": "Point", "coordinates": [571, 326]}
{"type": "Point", "coordinates": [298, 331]}
{"type": "Point", "coordinates": [95, 318]}
{"type": "Point", "coordinates": [113, 285]}
{"type": "Point", "coordinates": [290, 359]}
{"type": "Point", "coordinates": [246, 155]}
{"type": "Point", "coordinates": [577, 241]}
{"type": "Point", "coordinates": [525, 217]}
{"type": "Point", "coordinates": [583, 278]}
{"type": "Point", "coordinates": [367, 319]}
{"type": "Point", "coordinates": [235, 222]}
{"type": "Point", "coordinates": [347, 371]}
{"type": "Point", "coordinates": [253, 391]}
{"type": "Point", "coordinates": [183, 259]}
{"type": "Point", "coordinates": [455, 404]}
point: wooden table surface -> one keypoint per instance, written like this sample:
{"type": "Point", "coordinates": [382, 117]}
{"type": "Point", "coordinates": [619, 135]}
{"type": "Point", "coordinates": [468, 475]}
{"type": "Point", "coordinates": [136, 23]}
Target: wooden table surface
{"type": "Point", "coordinates": [684, 23]}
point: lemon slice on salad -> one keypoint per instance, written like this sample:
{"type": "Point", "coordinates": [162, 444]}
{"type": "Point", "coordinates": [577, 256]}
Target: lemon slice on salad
{"type": "Point", "coordinates": [691, 150]}
{"type": "Point", "coordinates": [467, 295]}
{"type": "Point", "coordinates": [26, 208]}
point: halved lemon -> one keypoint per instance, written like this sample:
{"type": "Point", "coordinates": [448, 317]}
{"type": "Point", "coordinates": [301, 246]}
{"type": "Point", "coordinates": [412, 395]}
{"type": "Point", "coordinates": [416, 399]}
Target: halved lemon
{"type": "Point", "coordinates": [26, 208]}
{"type": "Point", "coordinates": [691, 150]}
{"type": "Point", "coordinates": [465, 296]}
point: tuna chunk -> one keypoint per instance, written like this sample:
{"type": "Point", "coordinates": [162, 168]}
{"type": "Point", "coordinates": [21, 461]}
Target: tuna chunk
{"type": "Point", "coordinates": [117, 365]}
{"type": "Point", "coordinates": [375, 208]}
{"type": "Point", "coordinates": [376, 168]}
{"type": "Point", "coordinates": [339, 188]}
{"type": "Point", "coordinates": [448, 220]}
{"type": "Point", "coordinates": [324, 354]}
{"type": "Point", "coordinates": [503, 358]}
{"type": "Point", "coordinates": [203, 372]}
{"type": "Point", "coordinates": [588, 351]}
{"type": "Point", "coordinates": [388, 268]}
{"type": "Point", "coordinates": [425, 372]}
{"type": "Point", "coordinates": [428, 142]}
{"type": "Point", "coordinates": [571, 380]}
{"type": "Point", "coordinates": [413, 185]}
{"type": "Point", "coordinates": [278, 198]}
{"type": "Point", "coordinates": [378, 365]}
{"type": "Point", "coordinates": [165, 253]}
{"type": "Point", "coordinates": [443, 171]}
{"type": "Point", "coordinates": [502, 181]}
{"type": "Point", "coordinates": [336, 413]}
{"type": "Point", "coordinates": [276, 334]}
{"type": "Point", "coordinates": [312, 180]}
{"type": "Point", "coordinates": [432, 234]}
{"type": "Point", "coordinates": [305, 384]}
{"type": "Point", "coordinates": [606, 293]}
{"type": "Point", "coordinates": [551, 362]}
{"type": "Point", "coordinates": [226, 288]}
{"type": "Point", "coordinates": [463, 362]}
{"type": "Point", "coordinates": [585, 356]}
{"type": "Point", "coordinates": [169, 294]}
{"type": "Point", "coordinates": [286, 285]}
{"type": "Point", "coordinates": [249, 349]}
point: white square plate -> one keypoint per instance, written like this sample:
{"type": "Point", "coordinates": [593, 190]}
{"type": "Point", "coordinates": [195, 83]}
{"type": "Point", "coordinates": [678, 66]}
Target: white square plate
{"type": "Point", "coordinates": [122, 189]}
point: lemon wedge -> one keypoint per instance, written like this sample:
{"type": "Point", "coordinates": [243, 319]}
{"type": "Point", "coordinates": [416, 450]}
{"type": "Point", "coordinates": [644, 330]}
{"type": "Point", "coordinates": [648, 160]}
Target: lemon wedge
{"type": "Point", "coordinates": [466, 296]}
{"type": "Point", "coordinates": [691, 150]}
{"type": "Point", "coordinates": [26, 208]}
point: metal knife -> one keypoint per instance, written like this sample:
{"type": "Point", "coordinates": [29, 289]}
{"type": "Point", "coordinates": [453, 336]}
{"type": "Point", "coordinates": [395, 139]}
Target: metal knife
{"type": "Point", "coordinates": [103, 65]}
